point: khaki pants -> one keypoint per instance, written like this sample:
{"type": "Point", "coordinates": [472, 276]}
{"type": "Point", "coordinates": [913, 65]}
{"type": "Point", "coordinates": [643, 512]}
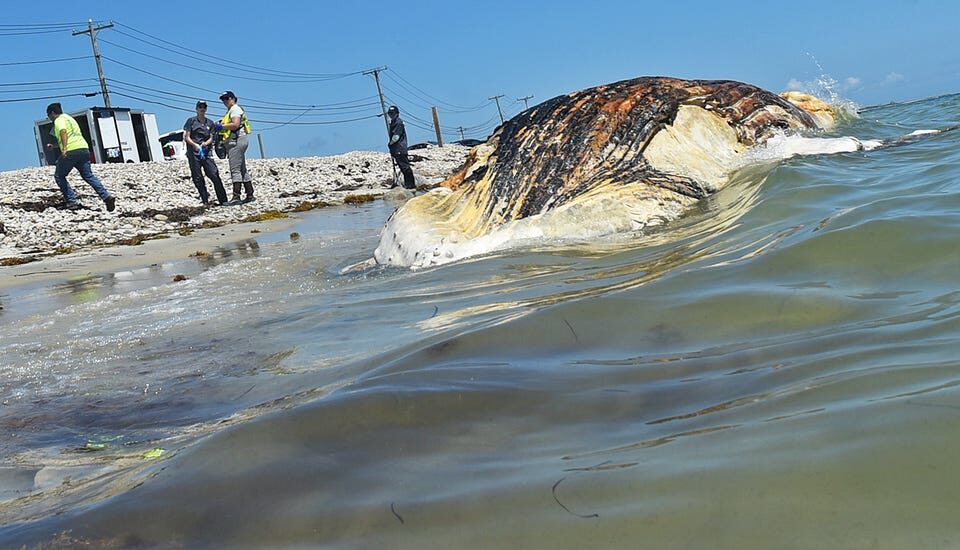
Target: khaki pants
{"type": "Point", "coordinates": [236, 156]}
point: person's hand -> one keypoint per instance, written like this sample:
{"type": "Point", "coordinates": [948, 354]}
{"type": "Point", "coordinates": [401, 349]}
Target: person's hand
{"type": "Point", "coordinates": [50, 146]}
{"type": "Point", "coordinates": [218, 125]}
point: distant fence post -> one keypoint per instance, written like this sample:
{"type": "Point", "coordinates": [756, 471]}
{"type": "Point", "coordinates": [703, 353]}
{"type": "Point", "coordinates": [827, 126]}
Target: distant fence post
{"type": "Point", "coordinates": [260, 141]}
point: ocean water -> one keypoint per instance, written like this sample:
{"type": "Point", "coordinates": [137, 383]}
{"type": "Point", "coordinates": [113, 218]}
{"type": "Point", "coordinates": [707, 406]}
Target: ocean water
{"type": "Point", "coordinates": [780, 368]}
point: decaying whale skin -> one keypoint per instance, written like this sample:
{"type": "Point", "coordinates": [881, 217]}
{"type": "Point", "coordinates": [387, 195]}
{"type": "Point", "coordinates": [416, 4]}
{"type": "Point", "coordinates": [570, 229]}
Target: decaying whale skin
{"type": "Point", "coordinates": [613, 158]}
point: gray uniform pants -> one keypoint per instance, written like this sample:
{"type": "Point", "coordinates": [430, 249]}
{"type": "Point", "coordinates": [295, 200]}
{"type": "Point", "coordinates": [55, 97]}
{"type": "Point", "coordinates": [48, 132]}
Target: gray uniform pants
{"type": "Point", "coordinates": [236, 156]}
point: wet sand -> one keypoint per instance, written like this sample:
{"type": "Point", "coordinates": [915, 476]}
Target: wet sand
{"type": "Point", "coordinates": [113, 259]}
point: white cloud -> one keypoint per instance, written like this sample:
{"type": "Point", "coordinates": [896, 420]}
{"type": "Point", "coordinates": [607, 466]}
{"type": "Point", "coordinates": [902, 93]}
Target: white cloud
{"type": "Point", "coordinates": [852, 82]}
{"type": "Point", "coordinates": [796, 85]}
{"type": "Point", "coordinates": [893, 77]}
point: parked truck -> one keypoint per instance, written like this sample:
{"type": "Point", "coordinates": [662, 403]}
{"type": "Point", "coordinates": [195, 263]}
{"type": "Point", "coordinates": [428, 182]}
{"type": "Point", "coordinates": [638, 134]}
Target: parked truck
{"type": "Point", "coordinates": [115, 134]}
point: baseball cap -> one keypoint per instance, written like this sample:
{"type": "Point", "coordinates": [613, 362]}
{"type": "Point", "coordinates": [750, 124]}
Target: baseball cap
{"type": "Point", "coordinates": [201, 103]}
{"type": "Point", "coordinates": [228, 95]}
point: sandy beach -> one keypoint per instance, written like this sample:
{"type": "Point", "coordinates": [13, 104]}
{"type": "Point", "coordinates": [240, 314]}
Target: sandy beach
{"type": "Point", "coordinates": [159, 217]}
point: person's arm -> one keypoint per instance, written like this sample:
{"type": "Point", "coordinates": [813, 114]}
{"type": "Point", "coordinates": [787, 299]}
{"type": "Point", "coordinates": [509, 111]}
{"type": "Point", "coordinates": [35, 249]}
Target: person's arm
{"type": "Point", "coordinates": [394, 131]}
{"type": "Point", "coordinates": [63, 141]}
{"type": "Point", "coordinates": [186, 135]}
{"type": "Point", "coordinates": [211, 128]}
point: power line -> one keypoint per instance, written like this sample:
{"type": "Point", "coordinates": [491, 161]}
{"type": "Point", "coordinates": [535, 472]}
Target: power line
{"type": "Point", "coordinates": [53, 88]}
{"type": "Point", "coordinates": [215, 92]}
{"type": "Point", "coordinates": [28, 33]}
{"type": "Point", "coordinates": [21, 99]}
{"type": "Point", "coordinates": [232, 62]}
{"type": "Point", "coordinates": [317, 123]}
{"type": "Point", "coordinates": [438, 100]}
{"type": "Point", "coordinates": [207, 71]}
{"type": "Point", "coordinates": [43, 61]}
{"type": "Point", "coordinates": [261, 105]}
{"type": "Point", "coordinates": [42, 82]}
{"type": "Point", "coordinates": [39, 25]}
{"type": "Point", "coordinates": [143, 90]}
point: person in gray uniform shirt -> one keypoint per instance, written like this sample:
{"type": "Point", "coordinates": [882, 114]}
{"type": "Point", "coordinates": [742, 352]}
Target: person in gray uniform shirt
{"type": "Point", "coordinates": [198, 133]}
{"type": "Point", "coordinates": [398, 147]}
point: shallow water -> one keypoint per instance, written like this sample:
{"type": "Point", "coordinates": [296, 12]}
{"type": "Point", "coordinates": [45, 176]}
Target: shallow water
{"type": "Point", "coordinates": [776, 369]}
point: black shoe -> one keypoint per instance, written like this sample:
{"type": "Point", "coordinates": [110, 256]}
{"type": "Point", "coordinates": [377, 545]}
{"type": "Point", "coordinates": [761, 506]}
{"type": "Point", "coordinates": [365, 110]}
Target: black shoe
{"type": "Point", "coordinates": [73, 205]}
{"type": "Point", "coordinates": [111, 203]}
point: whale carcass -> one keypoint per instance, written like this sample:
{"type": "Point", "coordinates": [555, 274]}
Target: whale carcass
{"type": "Point", "coordinates": [613, 158]}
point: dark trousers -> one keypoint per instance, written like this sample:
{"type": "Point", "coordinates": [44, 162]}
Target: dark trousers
{"type": "Point", "coordinates": [79, 159]}
{"type": "Point", "coordinates": [403, 163]}
{"type": "Point", "coordinates": [209, 167]}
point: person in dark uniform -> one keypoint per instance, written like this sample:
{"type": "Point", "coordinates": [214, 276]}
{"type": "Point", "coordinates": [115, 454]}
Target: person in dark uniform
{"type": "Point", "coordinates": [198, 132]}
{"type": "Point", "coordinates": [398, 147]}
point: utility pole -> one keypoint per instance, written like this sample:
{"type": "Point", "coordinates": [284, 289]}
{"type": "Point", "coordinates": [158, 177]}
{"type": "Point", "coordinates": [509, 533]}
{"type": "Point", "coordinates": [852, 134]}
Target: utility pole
{"type": "Point", "coordinates": [436, 126]}
{"type": "Point", "coordinates": [524, 100]}
{"type": "Point", "coordinates": [260, 141]}
{"type": "Point", "coordinates": [497, 99]}
{"type": "Point", "coordinates": [376, 76]}
{"type": "Point", "coordinates": [96, 55]}
{"type": "Point", "coordinates": [461, 133]}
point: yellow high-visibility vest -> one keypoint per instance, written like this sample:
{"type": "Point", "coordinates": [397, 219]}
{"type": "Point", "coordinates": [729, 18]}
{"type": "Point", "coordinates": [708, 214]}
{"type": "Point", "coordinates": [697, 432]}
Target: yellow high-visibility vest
{"type": "Point", "coordinates": [224, 134]}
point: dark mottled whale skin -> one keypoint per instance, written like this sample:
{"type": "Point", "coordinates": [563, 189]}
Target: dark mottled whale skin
{"type": "Point", "coordinates": [641, 149]}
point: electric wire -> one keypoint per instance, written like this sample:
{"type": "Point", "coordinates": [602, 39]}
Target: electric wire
{"type": "Point", "coordinates": [234, 63]}
{"type": "Point", "coordinates": [265, 111]}
{"type": "Point", "coordinates": [4, 26]}
{"type": "Point", "coordinates": [342, 108]}
{"type": "Point", "coordinates": [215, 92]}
{"type": "Point", "coordinates": [42, 82]}
{"type": "Point", "coordinates": [438, 100]}
{"type": "Point", "coordinates": [208, 71]}
{"type": "Point", "coordinates": [252, 119]}
{"type": "Point", "coordinates": [28, 32]}
{"type": "Point", "coordinates": [22, 99]}
{"type": "Point", "coordinates": [44, 61]}
{"type": "Point", "coordinates": [54, 88]}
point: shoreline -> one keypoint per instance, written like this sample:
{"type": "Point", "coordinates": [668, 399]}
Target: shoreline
{"type": "Point", "coordinates": [93, 262]}
{"type": "Point", "coordinates": [158, 202]}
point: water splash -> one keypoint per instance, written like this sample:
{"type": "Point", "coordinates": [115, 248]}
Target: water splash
{"type": "Point", "coordinates": [827, 88]}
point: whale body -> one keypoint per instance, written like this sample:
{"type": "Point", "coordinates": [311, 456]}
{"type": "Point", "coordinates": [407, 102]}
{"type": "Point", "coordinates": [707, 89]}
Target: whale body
{"type": "Point", "coordinates": [619, 157]}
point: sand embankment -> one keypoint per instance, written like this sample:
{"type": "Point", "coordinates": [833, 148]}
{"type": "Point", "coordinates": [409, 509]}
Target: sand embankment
{"type": "Point", "coordinates": [158, 199]}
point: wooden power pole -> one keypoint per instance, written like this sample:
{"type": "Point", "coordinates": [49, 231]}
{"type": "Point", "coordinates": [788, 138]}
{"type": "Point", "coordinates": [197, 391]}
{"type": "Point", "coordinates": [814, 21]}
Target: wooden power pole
{"type": "Point", "coordinates": [497, 99]}
{"type": "Point", "coordinates": [383, 105]}
{"type": "Point", "coordinates": [92, 31]}
{"type": "Point", "coordinates": [436, 126]}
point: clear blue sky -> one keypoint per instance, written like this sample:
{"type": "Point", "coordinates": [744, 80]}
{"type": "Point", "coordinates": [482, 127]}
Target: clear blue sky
{"type": "Point", "coordinates": [454, 55]}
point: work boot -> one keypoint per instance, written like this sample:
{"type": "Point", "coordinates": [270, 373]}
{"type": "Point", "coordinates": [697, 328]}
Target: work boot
{"type": "Point", "coordinates": [235, 199]}
{"type": "Point", "coordinates": [248, 189]}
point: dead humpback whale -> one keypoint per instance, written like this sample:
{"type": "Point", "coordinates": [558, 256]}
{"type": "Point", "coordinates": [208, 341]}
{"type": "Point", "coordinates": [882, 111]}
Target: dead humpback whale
{"type": "Point", "coordinates": [612, 158]}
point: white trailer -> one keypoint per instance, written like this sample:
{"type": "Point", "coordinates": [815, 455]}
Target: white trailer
{"type": "Point", "coordinates": [116, 134]}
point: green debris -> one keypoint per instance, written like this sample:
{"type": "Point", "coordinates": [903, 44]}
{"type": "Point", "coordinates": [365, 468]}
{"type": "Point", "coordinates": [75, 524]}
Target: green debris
{"type": "Point", "coordinates": [154, 453]}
